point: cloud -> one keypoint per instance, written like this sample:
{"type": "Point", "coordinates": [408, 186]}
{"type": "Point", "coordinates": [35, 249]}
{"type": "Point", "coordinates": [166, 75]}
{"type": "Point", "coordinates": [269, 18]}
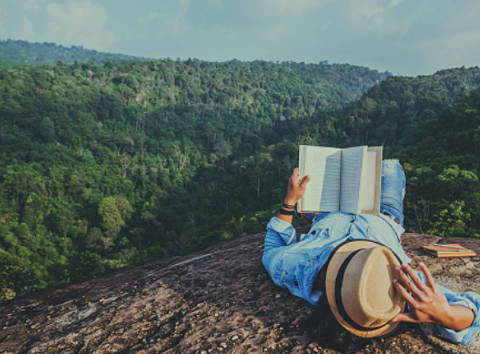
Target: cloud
{"type": "Point", "coordinates": [368, 17]}
{"type": "Point", "coordinates": [288, 8]}
{"type": "Point", "coordinates": [78, 22]}
{"type": "Point", "coordinates": [32, 5]}
{"type": "Point", "coordinates": [155, 26]}
{"type": "Point", "coordinates": [151, 16]}
{"type": "Point", "coordinates": [404, 36]}
{"type": "Point", "coordinates": [382, 34]}
{"type": "Point", "coordinates": [27, 27]}
{"type": "Point", "coordinates": [16, 21]}
{"type": "Point", "coordinates": [2, 22]}
{"type": "Point", "coordinates": [395, 3]}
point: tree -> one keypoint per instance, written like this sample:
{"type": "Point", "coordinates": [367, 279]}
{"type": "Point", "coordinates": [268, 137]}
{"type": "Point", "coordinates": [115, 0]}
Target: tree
{"type": "Point", "coordinates": [112, 221]}
{"type": "Point", "coordinates": [94, 239]}
{"type": "Point", "coordinates": [46, 130]}
{"type": "Point", "coordinates": [64, 220]}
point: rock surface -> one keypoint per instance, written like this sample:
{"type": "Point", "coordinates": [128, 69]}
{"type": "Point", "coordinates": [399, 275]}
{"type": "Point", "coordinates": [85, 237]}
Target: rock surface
{"type": "Point", "coordinates": [218, 301]}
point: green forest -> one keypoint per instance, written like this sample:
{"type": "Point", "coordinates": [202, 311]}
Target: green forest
{"type": "Point", "coordinates": [105, 165]}
{"type": "Point", "coordinates": [23, 52]}
{"type": "Point", "coordinates": [432, 125]}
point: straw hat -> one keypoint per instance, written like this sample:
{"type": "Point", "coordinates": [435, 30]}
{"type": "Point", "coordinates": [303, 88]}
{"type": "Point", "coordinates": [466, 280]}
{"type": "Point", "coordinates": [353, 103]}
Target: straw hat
{"type": "Point", "coordinates": [359, 288]}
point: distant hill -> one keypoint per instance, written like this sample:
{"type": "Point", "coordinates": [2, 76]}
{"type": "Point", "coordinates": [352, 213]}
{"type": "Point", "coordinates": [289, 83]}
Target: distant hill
{"type": "Point", "coordinates": [4, 63]}
{"type": "Point", "coordinates": [24, 52]}
{"type": "Point", "coordinates": [391, 112]}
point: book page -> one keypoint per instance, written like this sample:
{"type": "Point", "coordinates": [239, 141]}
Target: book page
{"type": "Point", "coordinates": [370, 185]}
{"type": "Point", "coordinates": [323, 191]}
{"type": "Point", "coordinates": [352, 162]}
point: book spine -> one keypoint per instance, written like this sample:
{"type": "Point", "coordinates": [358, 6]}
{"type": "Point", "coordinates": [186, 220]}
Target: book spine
{"type": "Point", "coordinates": [301, 171]}
{"type": "Point", "coordinates": [340, 185]}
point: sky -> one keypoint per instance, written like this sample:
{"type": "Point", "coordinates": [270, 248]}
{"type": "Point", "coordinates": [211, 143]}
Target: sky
{"type": "Point", "coordinates": [405, 37]}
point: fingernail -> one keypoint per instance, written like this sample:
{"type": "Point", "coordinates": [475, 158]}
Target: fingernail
{"type": "Point", "coordinates": [395, 281]}
{"type": "Point", "coordinates": [394, 320]}
{"type": "Point", "coordinates": [404, 265]}
{"type": "Point", "coordinates": [421, 263]}
{"type": "Point", "coordinates": [397, 267]}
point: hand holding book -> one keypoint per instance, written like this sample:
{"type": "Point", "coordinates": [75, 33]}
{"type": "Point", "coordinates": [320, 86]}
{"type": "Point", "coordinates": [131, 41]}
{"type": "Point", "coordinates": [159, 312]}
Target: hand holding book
{"type": "Point", "coordinates": [295, 191]}
{"type": "Point", "coordinates": [296, 187]}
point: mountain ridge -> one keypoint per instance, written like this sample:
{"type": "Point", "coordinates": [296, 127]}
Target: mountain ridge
{"type": "Point", "coordinates": [28, 53]}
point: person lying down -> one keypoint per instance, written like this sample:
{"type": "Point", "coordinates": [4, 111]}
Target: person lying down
{"type": "Point", "coordinates": [356, 265]}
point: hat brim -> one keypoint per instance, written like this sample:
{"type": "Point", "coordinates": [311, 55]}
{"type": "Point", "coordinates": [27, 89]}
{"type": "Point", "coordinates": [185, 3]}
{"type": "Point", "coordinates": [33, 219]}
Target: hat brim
{"type": "Point", "coordinates": [335, 262]}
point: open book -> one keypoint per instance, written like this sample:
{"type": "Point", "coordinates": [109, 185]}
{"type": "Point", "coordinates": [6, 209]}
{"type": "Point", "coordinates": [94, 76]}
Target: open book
{"type": "Point", "coordinates": [346, 180]}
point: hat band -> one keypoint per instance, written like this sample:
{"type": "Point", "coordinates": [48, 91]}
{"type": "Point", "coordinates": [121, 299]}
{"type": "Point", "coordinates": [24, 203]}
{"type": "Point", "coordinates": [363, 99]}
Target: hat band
{"type": "Point", "coordinates": [338, 296]}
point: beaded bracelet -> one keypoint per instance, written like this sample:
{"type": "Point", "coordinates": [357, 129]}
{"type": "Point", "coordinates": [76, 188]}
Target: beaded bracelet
{"type": "Point", "coordinates": [285, 212]}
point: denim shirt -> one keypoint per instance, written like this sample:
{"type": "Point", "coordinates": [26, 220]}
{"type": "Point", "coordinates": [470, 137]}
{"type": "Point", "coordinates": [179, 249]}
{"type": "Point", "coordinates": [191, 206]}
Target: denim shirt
{"type": "Point", "coordinates": [294, 265]}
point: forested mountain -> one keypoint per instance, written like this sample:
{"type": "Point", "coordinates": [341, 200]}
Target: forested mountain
{"type": "Point", "coordinates": [432, 124]}
{"type": "Point", "coordinates": [4, 63]}
{"type": "Point", "coordinates": [24, 52]}
{"type": "Point", "coordinates": [105, 165]}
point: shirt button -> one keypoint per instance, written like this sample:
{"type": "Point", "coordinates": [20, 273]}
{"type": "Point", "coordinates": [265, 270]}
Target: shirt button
{"type": "Point", "coordinates": [314, 232]}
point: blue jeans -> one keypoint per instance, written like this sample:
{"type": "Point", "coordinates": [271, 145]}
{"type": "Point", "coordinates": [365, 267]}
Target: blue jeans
{"type": "Point", "coordinates": [393, 190]}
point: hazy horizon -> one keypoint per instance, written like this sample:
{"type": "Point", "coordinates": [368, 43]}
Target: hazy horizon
{"type": "Point", "coordinates": [402, 36]}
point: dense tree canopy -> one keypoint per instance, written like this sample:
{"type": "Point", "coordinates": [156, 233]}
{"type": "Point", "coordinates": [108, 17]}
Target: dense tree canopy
{"type": "Point", "coordinates": [106, 165]}
{"type": "Point", "coordinates": [4, 63]}
{"type": "Point", "coordinates": [431, 124]}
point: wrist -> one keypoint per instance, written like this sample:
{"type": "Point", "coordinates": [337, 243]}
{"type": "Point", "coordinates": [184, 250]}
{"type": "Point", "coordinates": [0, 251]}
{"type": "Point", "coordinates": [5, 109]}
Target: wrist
{"type": "Point", "coordinates": [458, 317]}
{"type": "Point", "coordinates": [289, 201]}
{"type": "Point", "coordinates": [447, 319]}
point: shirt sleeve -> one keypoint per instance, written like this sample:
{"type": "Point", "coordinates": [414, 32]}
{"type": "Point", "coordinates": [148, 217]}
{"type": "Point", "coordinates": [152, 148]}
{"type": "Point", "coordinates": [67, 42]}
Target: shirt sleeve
{"type": "Point", "coordinates": [289, 267]}
{"type": "Point", "coordinates": [470, 300]}
{"type": "Point", "coordinates": [280, 234]}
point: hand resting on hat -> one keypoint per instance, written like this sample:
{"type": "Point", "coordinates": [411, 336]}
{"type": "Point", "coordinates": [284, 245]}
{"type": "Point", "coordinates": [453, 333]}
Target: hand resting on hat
{"type": "Point", "coordinates": [427, 302]}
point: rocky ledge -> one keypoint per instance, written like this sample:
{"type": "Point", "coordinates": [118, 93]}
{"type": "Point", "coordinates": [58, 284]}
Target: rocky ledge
{"type": "Point", "coordinates": [218, 300]}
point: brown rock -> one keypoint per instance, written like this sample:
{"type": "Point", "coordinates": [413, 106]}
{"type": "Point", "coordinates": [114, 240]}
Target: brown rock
{"type": "Point", "coordinates": [221, 299]}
